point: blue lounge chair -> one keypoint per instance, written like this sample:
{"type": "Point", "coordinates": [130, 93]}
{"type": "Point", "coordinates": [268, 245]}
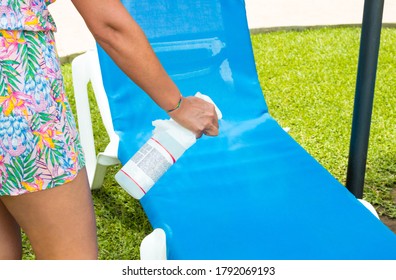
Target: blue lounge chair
{"type": "Point", "coordinates": [252, 192]}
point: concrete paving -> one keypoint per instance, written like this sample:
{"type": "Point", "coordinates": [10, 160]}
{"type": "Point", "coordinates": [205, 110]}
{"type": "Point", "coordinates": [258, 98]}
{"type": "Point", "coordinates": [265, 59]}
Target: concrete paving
{"type": "Point", "coordinates": [74, 37]}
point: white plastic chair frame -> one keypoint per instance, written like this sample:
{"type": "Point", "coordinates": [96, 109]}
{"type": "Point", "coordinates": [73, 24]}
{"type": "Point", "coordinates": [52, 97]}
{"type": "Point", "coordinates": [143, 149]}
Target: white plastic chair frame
{"type": "Point", "coordinates": [86, 69]}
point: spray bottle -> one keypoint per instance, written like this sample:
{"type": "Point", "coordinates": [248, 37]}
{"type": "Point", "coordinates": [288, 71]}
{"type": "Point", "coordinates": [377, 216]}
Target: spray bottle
{"type": "Point", "coordinates": [167, 144]}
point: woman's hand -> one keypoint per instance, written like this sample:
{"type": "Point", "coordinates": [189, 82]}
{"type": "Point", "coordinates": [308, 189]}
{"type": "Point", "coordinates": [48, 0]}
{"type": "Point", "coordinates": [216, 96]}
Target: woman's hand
{"type": "Point", "coordinates": [197, 115]}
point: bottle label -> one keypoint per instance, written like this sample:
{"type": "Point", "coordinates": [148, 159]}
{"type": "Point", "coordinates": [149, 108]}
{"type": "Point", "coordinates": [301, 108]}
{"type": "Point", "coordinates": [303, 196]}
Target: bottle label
{"type": "Point", "coordinates": [148, 164]}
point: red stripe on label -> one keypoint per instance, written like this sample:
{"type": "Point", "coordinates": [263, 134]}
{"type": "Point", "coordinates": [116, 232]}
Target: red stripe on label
{"type": "Point", "coordinates": [173, 159]}
{"type": "Point", "coordinates": [133, 181]}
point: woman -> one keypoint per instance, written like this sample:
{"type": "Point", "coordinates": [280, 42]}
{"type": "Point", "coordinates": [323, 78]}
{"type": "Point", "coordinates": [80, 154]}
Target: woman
{"type": "Point", "coordinates": [43, 183]}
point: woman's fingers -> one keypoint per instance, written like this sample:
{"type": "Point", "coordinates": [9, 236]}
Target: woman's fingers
{"type": "Point", "coordinates": [197, 115]}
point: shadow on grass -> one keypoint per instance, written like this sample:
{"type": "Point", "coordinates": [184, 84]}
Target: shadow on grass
{"type": "Point", "coordinates": [380, 187]}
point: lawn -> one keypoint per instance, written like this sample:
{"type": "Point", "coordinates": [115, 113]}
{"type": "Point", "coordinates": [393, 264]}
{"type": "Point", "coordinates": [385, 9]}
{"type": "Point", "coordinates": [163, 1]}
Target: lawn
{"type": "Point", "coordinates": [308, 79]}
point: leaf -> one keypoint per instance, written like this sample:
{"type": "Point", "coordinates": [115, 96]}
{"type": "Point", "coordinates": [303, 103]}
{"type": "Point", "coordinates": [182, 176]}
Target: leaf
{"type": "Point", "coordinates": [8, 61]}
{"type": "Point", "coordinates": [30, 168]}
{"type": "Point", "coordinates": [13, 173]}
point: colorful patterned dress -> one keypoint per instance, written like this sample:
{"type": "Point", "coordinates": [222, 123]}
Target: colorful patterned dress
{"type": "Point", "coordinates": [39, 143]}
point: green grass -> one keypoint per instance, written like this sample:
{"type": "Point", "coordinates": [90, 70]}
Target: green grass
{"type": "Point", "coordinates": [308, 79]}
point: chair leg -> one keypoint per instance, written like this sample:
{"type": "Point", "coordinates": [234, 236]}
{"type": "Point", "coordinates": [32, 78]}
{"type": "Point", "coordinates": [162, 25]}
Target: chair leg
{"type": "Point", "coordinates": [153, 246]}
{"type": "Point", "coordinates": [100, 172]}
{"type": "Point", "coordinates": [369, 207]}
{"type": "Point", "coordinates": [102, 162]}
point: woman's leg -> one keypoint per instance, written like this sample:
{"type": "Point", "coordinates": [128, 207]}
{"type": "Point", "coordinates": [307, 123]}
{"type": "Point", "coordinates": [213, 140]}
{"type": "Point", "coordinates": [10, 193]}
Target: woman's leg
{"type": "Point", "coordinates": [59, 222]}
{"type": "Point", "coordinates": [10, 236]}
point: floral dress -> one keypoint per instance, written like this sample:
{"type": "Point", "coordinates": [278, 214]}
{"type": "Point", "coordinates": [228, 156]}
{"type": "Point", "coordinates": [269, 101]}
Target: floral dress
{"type": "Point", "coordinates": [39, 143]}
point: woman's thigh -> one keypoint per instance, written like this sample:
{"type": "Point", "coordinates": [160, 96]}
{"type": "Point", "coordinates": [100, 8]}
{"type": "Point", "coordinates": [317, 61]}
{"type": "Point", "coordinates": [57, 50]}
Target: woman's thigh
{"type": "Point", "coordinates": [59, 222]}
{"type": "Point", "coordinates": [10, 236]}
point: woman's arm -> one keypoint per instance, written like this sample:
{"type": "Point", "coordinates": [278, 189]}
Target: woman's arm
{"type": "Point", "coordinates": [122, 38]}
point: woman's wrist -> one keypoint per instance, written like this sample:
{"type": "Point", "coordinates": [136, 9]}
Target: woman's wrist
{"type": "Point", "coordinates": [177, 105]}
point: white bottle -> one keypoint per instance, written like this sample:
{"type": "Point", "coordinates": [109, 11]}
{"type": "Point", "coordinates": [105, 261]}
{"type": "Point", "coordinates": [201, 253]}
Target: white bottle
{"type": "Point", "coordinates": [167, 144]}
